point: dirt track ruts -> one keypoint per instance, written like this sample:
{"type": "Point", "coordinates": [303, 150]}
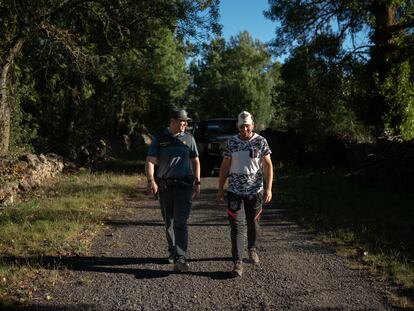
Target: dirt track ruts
{"type": "Point", "coordinates": [128, 269]}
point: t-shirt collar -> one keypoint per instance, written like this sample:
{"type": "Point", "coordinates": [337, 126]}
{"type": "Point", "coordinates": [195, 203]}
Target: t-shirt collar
{"type": "Point", "coordinates": [250, 139]}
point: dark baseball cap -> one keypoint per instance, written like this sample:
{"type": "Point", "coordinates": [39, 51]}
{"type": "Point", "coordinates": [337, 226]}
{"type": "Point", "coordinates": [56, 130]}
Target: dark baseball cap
{"type": "Point", "coordinates": [179, 114]}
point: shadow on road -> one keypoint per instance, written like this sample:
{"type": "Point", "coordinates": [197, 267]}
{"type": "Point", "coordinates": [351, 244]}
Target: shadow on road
{"type": "Point", "coordinates": [112, 265]}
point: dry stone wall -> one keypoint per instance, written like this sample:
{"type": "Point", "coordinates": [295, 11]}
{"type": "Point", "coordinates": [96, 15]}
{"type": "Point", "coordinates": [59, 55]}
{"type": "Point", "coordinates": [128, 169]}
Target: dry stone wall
{"type": "Point", "coordinates": [27, 173]}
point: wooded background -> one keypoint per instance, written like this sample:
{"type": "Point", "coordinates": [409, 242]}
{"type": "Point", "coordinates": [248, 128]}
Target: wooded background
{"type": "Point", "coordinates": [74, 72]}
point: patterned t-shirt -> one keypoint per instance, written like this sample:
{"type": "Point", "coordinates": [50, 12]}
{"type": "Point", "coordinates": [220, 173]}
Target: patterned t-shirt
{"type": "Point", "coordinates": [246, 170]}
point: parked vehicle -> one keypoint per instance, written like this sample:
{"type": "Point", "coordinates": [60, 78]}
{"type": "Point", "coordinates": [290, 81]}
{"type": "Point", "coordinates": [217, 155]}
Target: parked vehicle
{"type": "Point", "coordinates": [211, 137]}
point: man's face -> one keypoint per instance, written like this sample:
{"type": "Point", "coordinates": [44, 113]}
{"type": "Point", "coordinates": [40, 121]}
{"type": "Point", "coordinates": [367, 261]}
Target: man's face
{"type": "Point", "coordinates": [246, 131]}
{"type": "Point", "coordinates": [178, 126]}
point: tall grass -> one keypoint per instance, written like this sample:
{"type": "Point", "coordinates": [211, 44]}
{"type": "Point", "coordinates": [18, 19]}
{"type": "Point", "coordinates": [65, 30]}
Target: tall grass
{"type": "Point", "coordinates": [372, 219]}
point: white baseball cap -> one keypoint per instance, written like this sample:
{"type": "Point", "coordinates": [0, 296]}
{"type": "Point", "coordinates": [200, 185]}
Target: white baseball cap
{"type": "Point", "coordinates": [245, 118]}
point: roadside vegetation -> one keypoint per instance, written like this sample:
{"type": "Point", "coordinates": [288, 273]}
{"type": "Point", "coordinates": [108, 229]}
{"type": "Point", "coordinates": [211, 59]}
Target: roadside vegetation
{"type": "Point", "coordinates": [59, 222]}
{"type": "Point", "coordinates": [369, 221]}
{"type": "Point", "coordinates": [84, 78]}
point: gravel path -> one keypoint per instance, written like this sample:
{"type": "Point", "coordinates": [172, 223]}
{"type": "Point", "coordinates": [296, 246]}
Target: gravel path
{"type": "Point", "coordinates": [128, 269]}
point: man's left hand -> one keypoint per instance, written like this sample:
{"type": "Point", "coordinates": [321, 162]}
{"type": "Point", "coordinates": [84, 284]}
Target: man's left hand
{"type": "Point", "coordinates": [267, 196]}
{"type": "Point", "coordinates": [196, 190]}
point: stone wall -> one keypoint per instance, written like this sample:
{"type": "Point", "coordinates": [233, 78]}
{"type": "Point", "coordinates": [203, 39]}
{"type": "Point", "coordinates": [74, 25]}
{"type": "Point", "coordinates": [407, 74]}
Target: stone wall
{"type": "Point", "coordinates": [27, 173]}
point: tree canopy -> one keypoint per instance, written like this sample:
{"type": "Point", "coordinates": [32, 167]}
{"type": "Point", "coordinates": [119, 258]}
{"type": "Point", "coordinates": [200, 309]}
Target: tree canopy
{"type": "Point", "coordinates": [58, 58]}
{"type": "Point", "coordinates": [75, 71]}
{"type": "Point", "coordinates": [235, 76]}
{"type": "Point", "coordinates": [388, 27]}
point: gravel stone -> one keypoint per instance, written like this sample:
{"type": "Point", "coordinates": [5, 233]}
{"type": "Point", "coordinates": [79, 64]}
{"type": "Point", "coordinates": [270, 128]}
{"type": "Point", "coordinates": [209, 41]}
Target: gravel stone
{"type": "Point", "coordinates": [128, 269]}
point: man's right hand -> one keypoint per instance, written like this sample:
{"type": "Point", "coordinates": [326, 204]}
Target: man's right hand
{"type": "Point", "coordinates": [220, 196]}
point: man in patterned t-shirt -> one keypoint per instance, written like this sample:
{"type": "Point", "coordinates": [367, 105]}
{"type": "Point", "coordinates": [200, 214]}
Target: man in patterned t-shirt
{"type": "Point", "coordinates": [247, 164]}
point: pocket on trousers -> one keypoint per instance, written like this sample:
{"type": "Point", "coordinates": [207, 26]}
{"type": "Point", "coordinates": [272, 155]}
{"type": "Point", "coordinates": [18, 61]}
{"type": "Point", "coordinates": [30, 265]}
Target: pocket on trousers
{"type": "Point", "coordinates": [233, 202]}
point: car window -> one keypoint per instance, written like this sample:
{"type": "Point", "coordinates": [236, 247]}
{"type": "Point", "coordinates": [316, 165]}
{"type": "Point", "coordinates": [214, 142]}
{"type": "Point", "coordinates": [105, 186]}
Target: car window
{"type": "Point", "coordinates": [220, 127]}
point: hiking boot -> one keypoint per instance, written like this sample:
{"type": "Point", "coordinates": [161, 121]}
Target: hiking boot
{"type": "Point", "coordinates": [238, 268]}
{"type": "Point", "coordinates": [181, 264]}
{"type": "Point", "coordinates": [253, 257]}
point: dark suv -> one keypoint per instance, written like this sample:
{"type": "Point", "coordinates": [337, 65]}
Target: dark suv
{"type": "Point", "coordinates": [211, 137]}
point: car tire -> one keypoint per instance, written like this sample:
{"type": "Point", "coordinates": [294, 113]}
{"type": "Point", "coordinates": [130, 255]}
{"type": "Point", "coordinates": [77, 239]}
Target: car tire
{"type": "Point", "coordinates": [207, 168]}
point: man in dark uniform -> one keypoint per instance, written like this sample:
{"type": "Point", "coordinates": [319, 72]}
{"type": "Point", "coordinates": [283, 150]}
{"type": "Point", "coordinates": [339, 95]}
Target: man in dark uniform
{"type": "Point", "coordinates": [175, 153]}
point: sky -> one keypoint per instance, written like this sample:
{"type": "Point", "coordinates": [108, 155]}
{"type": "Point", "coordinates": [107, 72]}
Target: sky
{"type": "Point", "coordinates": [239, 15]}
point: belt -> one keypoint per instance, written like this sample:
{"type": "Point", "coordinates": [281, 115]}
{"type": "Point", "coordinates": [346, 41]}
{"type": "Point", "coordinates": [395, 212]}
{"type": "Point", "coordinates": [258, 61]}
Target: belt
{"type": "Point", "coordinates": [171, 181]}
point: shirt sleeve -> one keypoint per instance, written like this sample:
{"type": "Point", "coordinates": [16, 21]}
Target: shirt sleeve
{"type": "Point", "coordinates": [265, 148]}
{"type": "Point", "coordinates": [193, 149]}
{"type": "Point", "coordinates": [154, 149]}
{"type": "Point", "coordinates": [227, 152]}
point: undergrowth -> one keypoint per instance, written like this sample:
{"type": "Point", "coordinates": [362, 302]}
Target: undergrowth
{"type": "Point", "coordinates": [370, 220]}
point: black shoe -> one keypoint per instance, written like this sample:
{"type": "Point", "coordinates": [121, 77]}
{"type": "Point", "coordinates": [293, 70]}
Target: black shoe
{"type": "Point", "coordinates": [171, 258]}
{"type": "Point", "coordinates": [181, 264]}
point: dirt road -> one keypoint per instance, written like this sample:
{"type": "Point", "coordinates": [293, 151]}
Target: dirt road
{"type": "Point", "coordinates": [128, 269]}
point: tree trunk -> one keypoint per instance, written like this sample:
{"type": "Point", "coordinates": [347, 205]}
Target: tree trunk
{"type": "Point", "coordinates": [382, 60]}
{"type": "Point", "coordinates": [4, 131]}
{"type": "Point", "coordinates": [5, 110]}
{"type": "Point", "coordinates": [383, 50]}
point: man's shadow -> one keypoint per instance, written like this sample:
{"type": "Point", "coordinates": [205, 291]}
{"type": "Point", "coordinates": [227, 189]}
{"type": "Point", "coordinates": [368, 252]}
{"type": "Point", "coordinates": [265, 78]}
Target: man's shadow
{"type": "Point", "coordinates": [114, 265]}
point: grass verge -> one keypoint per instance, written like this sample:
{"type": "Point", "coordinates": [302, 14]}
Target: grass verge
{"type": "Point", "coordinates": [369, 221]}
{"type": "Point", "coordinates": [60, 222]}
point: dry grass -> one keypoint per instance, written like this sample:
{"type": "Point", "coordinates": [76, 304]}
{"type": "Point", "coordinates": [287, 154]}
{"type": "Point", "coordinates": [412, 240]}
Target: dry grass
{"type": "Point", "coordinates": [59, 222]}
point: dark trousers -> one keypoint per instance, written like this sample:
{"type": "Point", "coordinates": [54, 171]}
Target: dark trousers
{"type": "Point", "coordinates": [176, 204]}
{"type": "Point", "coordinates": [242, 211]}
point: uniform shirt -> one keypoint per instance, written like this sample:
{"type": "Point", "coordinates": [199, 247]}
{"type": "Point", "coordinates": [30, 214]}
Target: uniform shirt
{"type": "Point", "coordinates": [173, 154]}
{"type": "Point", "coordinates": [246, 170]}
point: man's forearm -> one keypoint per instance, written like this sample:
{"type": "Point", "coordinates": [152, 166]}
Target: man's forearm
{"type": "Point", "coordinates": [268, 173]}
{"type": "Point", "coordinates": [268, 180]}
{"type": "Point", "coordinates": [149, 170]}
{"type": "Point", "coordinates": [222, 181]}
{"type": "Point", "coordinates": [195, 163]}
{"type": "Point", "coordinates": [224, 172]}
